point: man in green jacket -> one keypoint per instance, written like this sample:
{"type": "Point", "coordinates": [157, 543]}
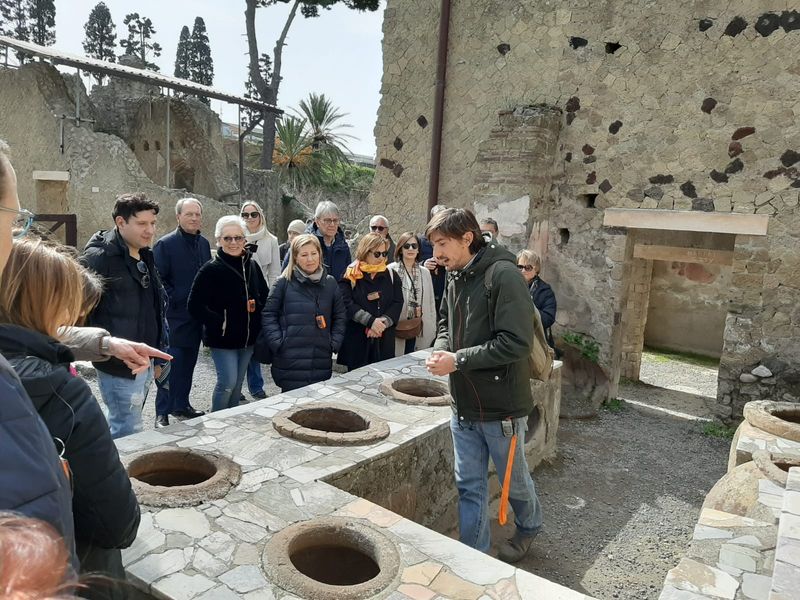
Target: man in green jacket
{"type": "Point", "coordinates": [485, 334]}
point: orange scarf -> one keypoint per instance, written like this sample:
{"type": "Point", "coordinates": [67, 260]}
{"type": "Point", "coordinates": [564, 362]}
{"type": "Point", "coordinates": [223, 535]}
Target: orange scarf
{"type": "Point", "coordinates": [356, 269]}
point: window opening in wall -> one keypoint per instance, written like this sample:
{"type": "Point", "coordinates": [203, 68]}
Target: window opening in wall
{"type": "Point", "coordinates": [158, 145]}
{"type": "Point", "coordinates": [563, 235]}
{"type": "Point", "coordinates": [587, 200]}
{"type": "Point", "coordinates": [612, 47]}
{"type": "Point", "coordinates": [146, 146]}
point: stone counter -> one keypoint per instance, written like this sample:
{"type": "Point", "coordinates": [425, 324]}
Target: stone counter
{"type": "Point", "coordinates": [214, 550]}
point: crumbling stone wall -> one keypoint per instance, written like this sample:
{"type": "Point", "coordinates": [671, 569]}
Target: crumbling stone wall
{"type": "Point", "coordinates": [100, 166]}
{"type": "Point", "coordinates": [675, 106]}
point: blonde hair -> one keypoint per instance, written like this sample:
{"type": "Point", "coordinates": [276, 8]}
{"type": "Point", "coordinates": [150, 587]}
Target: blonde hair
{"type": "Point", "coordinates": [368, 243]}
{"type": "Point", "coordinates": [529, 257]}
{"type": "Point", "coordinates": [304, 239]}
{"type": "Point", "coordinates": [40, 287]}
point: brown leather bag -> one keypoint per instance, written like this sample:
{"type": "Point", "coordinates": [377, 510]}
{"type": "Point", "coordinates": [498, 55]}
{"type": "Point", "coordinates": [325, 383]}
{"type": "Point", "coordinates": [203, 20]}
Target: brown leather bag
{"type": "Point", "coordinates": [408, 328]}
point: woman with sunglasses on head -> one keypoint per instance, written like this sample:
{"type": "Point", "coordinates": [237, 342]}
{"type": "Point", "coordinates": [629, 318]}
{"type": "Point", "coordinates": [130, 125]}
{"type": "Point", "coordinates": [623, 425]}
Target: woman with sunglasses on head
{"type": "Point", "coordinates": [227, 296]}
{"type": "Point", "coordinates": [416, 329]}
{"type": "Point", "coordinates": [544, 299]}
{"type": "Point", "coordinates": [304, 320]}
{"type": "Point", "coordinates": [373, 297]}
{"type": "Point", "coordinates": [42, 290]}
{"type": "Point", "coordinates": [266, 254]}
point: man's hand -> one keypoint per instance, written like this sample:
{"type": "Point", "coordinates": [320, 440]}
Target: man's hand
{"type": "Point", "coordinates": [135, 355]}
{"type": "Point", "coordinates": [441, 363]}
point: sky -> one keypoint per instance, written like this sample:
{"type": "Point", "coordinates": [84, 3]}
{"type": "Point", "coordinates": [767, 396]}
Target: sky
{"type": "Point", "coordinates": [338, 53]}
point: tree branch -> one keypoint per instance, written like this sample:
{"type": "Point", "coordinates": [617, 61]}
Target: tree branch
{"type": "Point", "coordinates": [278, 52]}
{"type": "Point", "coordinates": [252, 48]}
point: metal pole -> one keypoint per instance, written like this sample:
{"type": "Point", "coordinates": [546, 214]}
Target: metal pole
{"type": "Point", "coordinates": [78, 97]}
{"type": "Point", "coordinates": [168, 132]}
{"type": "Point", "coordinates": [438, 108]}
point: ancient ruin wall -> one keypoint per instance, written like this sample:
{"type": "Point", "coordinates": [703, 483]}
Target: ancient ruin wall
{"type": "Point", "coordinates": [100, 165]}
{"type": "Point", "coordinates": [679, 106]}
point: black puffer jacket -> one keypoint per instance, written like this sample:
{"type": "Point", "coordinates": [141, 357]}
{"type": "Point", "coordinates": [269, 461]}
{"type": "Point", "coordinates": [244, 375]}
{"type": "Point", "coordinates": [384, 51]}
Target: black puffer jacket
{"type": "Point", "coordinates": [104, 506]}
{"type": "Point", "coordinates": [122, 310]}
{"type": "Point", "coordinates": [219, 299]}
{"type": "Point", "coordinates": [386, 291]}
{"type": "Point", "coordinates": [32, 482]}
{"type": "Point", "coordinates": [301, 350]}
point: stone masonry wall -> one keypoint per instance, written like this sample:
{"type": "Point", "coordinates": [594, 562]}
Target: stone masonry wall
{"type": "Point", "coordinates": [680, 106]}
{"type": "Point", "coordinates": [100, 166]}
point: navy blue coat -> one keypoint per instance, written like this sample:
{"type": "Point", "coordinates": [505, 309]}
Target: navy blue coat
{"type": "Point", "coordinates": [357, 349]}
{"type": "Point", "coordinates": [179, 256]}
{"type": "Point", "coordinates": [104, 507]}
{"type": "Point", "coordinates": [544, 300]}
{"type": "Point", "coordinates": [32, 482]}
{"type": "Point", "coordinates": [301, 350]}
{"type": "Point", "coordinates": [122, 308]}
{"type": "Point", "coordinates": [335, 257]}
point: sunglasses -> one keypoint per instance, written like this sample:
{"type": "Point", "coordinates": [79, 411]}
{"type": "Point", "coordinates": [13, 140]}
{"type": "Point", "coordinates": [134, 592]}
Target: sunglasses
{"type": "Point", "coordinates": [22, 223]}
{"type": "Point", "coordinates": [142, 268]}
{"type": "Point", "coordinates": [379, 254]}
{"type": "Point", "coordinates": [250, 215]}
{"type": "Point", "coordinates": [410, 246]}
{"type": "Point", "coordinates": [525, 267]}
{"type": "Point", "coordinates": [233, 239]}
{"type": "Point", "coordinates": [377, 228]}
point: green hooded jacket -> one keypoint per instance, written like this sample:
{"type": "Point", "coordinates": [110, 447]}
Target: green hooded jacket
{"type": "Point", "coordinates": [492, 377]}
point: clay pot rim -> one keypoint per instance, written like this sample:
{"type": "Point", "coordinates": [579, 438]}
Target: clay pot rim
{"type": "Point", "coordinates": [761, 415]}
{"type": "Point", "coordinates": [387, 388]}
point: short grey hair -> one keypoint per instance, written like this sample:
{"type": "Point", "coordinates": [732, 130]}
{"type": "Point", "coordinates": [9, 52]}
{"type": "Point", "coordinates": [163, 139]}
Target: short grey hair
{"type": "Point", "coordinates": [179, 204]}
{"type": "Point", "coordinates": [437, 208]}
{"type": "Point", "coordinates": [229, 220]}
{"type": "Point", "coordinates": [326, 207]}
{"type": "Point", "coordinates": [379, 218]}
{"type": "Point", "coordinates": [529, 257]}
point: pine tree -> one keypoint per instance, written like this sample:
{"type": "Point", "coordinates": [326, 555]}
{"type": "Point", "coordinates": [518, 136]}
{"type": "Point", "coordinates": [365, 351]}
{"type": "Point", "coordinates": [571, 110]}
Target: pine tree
{"type": "Point", "coordinates": [6, 19]}
{"type": "Point", "coordinates": [14, 21]}
{"type": "Point", "coordinates": [265, 66]}
{"type": "Point", "coordinates": [201, 65]}
{"type": "Point", "coordinates": [101, 36]}
{"type": "Point", "coordinates": [182, 55]}
{"type": "Point", "coordinates": [43, 22]}
{"type": "Point", "coordinates": [140, 32]}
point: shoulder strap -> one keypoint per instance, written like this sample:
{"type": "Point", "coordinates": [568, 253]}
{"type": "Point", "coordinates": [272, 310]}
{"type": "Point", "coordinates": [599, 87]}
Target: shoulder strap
{"type": "Point", "coordinates": [487, 283]}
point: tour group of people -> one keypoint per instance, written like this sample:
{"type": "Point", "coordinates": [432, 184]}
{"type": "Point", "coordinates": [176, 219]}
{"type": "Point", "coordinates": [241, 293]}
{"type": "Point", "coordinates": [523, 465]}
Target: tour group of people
{"type": "Point", "coordinates": [140, 308]}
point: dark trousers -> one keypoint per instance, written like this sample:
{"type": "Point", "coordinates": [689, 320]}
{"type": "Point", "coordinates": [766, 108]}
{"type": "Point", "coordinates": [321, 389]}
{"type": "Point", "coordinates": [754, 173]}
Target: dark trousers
{"type": "Point", "coordinates": [175, 396]}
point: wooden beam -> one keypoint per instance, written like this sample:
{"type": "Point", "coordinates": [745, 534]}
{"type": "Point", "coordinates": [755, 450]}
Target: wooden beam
{"type": "Point", "coordinates": [703, 256]}
{"type": "Point", "coordinates": [686, 220]}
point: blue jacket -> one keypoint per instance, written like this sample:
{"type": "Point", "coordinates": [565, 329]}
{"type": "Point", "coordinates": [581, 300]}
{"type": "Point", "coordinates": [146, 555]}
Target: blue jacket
{"type": "Point", "coordinates": [301, 350]}
{"type": "Point", "coordinates": [335, 257]}
{"type": "Point", "coordinates": [121, 308]}
{"type": "Point", "coordinates": [32, 481]}
{"type": "Point", "coordinates": [179, 256]}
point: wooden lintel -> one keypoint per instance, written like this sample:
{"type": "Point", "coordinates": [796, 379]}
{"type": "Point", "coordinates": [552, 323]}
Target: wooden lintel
{"type": "Point", "coordinates": [686, 220]}
{"type": "Point", "coordinates": [680, 254]}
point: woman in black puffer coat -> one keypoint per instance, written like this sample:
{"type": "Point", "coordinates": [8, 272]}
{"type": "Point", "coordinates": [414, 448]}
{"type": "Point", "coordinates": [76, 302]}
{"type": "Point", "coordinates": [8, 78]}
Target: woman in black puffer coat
{"type": "Point", "coordinates": [304, 319]}
{"type": "Point", "coordinates": [43, 289]}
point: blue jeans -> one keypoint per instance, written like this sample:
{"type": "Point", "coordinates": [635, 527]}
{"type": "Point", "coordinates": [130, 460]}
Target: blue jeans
{"type": "Point", "coordinates": [473, 443]}
{"type": "Point", "coordinates": [231, 366]}
{"type": "Point", "coordinates": [124, 399]}
{"type": "Point", "coordinates": [255, 379]}
{"type": "Point", "coordinates": [175, 396]}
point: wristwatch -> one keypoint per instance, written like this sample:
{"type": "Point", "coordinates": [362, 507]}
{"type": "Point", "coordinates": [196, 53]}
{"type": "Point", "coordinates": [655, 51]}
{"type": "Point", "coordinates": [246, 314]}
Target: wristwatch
{"type": "Point", "coordinates": [105, 343]}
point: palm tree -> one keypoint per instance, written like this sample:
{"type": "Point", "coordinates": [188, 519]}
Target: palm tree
{"type": "Point", "coordinates": [294, 157]}
{"type": "Point", "coordinates": [324, 126]}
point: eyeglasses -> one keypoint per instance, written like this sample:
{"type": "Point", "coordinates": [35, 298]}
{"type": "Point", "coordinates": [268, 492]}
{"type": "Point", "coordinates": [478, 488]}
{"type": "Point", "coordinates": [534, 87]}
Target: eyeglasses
{"type": "Point", "coordinates": [379, 254]}
{"type": "Point", "coordinates": [410, 246]}
{"type": "Point", "coordinates": [145, 280]}
{"type": "Point", "coordinates": [378, 228]}
{"type": "Point", "coordinates": [22, 223]}
{"type": "Point", "coordinates": [250, 215]}
{"type": "Point", "coordinates": [330, 221]}
{"type": "Point", "coordinates": [525, 267]}
{"type": "Point", "coordinates": [233, 239]}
